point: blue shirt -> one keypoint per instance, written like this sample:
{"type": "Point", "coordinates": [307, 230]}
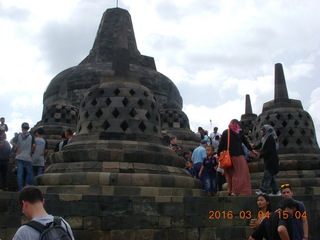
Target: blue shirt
{"type": "Point", "coordinates": [199, 154]}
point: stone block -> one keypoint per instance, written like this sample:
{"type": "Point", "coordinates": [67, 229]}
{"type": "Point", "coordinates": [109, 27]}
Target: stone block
{"type": "Point", "coordinates": [131, 222]}
{"type": "Point", "coordinates": [85, 234]}
{"type": "Point", "coordinates": [148, 191]}
{"type": "Point", "coordinates": [177, 199]}
{"type": "Point", "coordinates": [7, 221]}
{"type": "Point", "coordinates": [104, 178]}
{"type": "Point", "coordinates": [125, 179]}
{"type": "Point", "coordinates": [193, 234]}
{"type": "Point", "coordinates": [164, 222]}
{"type": "Point", "coordinates": [91, 222]}
{"type": "Point", "coordinates": [179, 222]}
{"type": "Point", "coordinates": [207, 233]}
{"type": "Point", "coordinates": [161, 234]}
{"type": "Point", "coordinates": [151, 222]}
{"type": "Point", "coordinates": [145, 234]}
{"type": "Point", "coordinates": [107, 190]}
{"type": "Point", "coordinates": [111, 222]}
{"type": "Point", "coordinates": [92, 178]}
{"type": "Point", "coordinates": [196, 221]}
{"type": "Point", "coordinates": [140, 179]}
{"type": "Point", "coordinates": [162, 199]}
{"type": "Point", "coordinates": [145, 209]}
{"type": "Point", "coordinates": [177, 234]}
{"type": "Point", "coordinates": [75, 222]}
{"type": "Point", "coordinates": [123, 234]}
{"type": "Point", "coordinates": [70, 197]}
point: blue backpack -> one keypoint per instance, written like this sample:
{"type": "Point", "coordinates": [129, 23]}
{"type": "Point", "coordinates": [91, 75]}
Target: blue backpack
{"type": "Point", "coordinates": [50, 231]}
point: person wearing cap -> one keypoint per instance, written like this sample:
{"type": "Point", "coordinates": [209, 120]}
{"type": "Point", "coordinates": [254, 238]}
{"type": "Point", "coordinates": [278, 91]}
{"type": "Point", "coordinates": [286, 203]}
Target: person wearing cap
{"type": "Point", "coordinates": [25, 145]}
{"type": "Point", "coordinates": [268, 152]}
{"type": "Point", "coordinates": [198, 155]}
{"type": "Point", "coordinates": [299, 220]}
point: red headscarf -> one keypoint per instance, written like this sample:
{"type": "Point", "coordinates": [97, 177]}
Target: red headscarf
{"type": "Point", "coordinates": [234, 126]}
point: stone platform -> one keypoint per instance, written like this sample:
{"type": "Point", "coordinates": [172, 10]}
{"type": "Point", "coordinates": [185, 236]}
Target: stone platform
{"type": "Point", "coordinates": [158, 217]}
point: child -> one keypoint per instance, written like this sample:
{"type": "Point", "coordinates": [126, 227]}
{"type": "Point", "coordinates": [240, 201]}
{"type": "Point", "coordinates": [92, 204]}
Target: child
{"type": "Point", "coordinates": [208, 171]}
{"type": "Point", "coordinates": [190, 168]}
{"type": "Point", "coordinates": [40, 152]}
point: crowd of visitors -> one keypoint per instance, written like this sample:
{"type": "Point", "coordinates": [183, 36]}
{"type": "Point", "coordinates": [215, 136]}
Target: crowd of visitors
{"type": "Point", "coordinates": [30, 151]}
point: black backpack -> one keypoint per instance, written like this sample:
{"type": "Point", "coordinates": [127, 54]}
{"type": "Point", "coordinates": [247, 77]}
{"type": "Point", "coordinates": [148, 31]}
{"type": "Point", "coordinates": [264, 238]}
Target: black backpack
{"type": "Point", "coordinates": [50, 231]}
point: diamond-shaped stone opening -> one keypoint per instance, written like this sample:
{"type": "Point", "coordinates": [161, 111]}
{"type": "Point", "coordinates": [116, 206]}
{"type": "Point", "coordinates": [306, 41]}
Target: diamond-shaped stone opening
{"type": "Point", "coordinates": [306, 124]}
{"type": "Point", "coordinates": [148, 115]}
{"type": "Point", "coordinates": [284, 123]}
{"type": "Point", "coordinates": [116, 91]}
{"type": "Point", "coordinates": [181, 125]}
{"type": "Point", "coordinates": [140, 102]}
{"type": "Point", "coordinates": [157, 118]}
{"type": "Point", "coordinates": [310, 142]}
{"type": "Point", "coordinates": [299, 142]}
{"type": "Point", "coordinates": [124, 125]}
{"type": "Point", "coordinates": [155, 129]}
{"type": "Point", "coordinates": [303, 132]}
{"type": "Point", "coordinates": [272, 124]}
{"type": "Point", "coordinates": [86, 115]}
{"type": "Point", "coordinates": [300, 115]}
{"type": "Point", "coordinates": [115, 113]}
{"type": "Point", "coordinates": [285, 142]}
{"type": "Point", "coordinates": [278, 132]}
{"type": "Point", "coordinates": [289, 116]}
{"type": "Point", "coordinates": [90, 126]}
{"type": "Point", "coordinates": [291, 132]}
{"type": "Point", "coordinates": [132, 92]}
{"type": "Point", "coordinates": [267, 118]}
{"type": "Point", "coordinates": [152, 106]}
{"type": "Point", "coordinates": [99, 113]}
{"type": "Point", "coordinates": [108, 101]}
{"type": "Point", "coordinates": [296, 123]}
{"type": "Point", "coordinates": [278, 116]}
{"type": "Point", "coordinates": [101, 92]}
{"type": "Point", "coordinates": [133, 113]}
{"type": "Point", "coordinates": [311, 132]}
{"type": "Point", "coordinates": [125, 101]}
{"type": "Point", "coordinates": [105, 125]}
{"type": "Point", "coordinates": [83, 104]}
{"type": "Point", "coordinates": [145, 94]}
{"type": "Point", "coordinates": [142, 127]}
{"type": "Point", "coordinates": [94, 102]}
{"type": "Point", "coordinates": [80, 129]}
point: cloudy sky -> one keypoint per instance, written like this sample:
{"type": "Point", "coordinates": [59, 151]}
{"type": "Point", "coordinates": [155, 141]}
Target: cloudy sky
{"type": "Point", "coordinates": [216, 52]}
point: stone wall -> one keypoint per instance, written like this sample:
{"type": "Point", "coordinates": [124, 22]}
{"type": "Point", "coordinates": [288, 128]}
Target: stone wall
{"type": "Point", "coordinates": [120, 217]}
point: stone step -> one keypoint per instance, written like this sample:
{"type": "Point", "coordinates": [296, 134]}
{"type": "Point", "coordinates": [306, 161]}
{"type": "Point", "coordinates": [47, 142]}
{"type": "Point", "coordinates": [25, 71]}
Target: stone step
{"type": "Point", "coordinates": [290, 174]}
{"type": "Point", "coordinates": [122, 191]}
{"type": "Point", "coordinates": [294, 182]}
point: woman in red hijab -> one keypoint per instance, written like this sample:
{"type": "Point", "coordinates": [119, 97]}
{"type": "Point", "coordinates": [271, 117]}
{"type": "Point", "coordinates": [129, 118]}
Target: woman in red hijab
{"type": "Point", "coordinates": [238, 176]}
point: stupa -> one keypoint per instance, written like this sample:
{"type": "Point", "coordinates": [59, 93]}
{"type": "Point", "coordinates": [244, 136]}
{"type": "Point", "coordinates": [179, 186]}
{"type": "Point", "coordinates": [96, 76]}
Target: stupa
{"type": "Point", "coordinates": [298, 151]}
{"type": "Point", "coordinates": [248, 118]}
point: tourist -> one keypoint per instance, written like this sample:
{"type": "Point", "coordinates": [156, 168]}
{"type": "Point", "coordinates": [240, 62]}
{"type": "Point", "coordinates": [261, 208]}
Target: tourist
{"type": "Point", "coordinates": [190, 169]}
{"type": "Point", "coordinates": [268, 152]}
{"type": "Point", "coordinates": [68, 134]}
{"type": "Point", "coordinates": [214, 133]}
{"type": "Point", "coordinates": [238, 176]}
{"type": "Point", "coordinates": [24, 144]}
{"type": "Point", "coordinates": [207, 172]}
{"type": "Point", "coordinates": [5, 151]}
{"type": "Point", "coordinates": [58, 146]}
{"type": "Point", "coordinates": [264, 206]}
{"type": "Point", "coordinates": [186, 156]}
{"type": "Point", "coordinates": [200, 132]}
{"type": "Point", "coordinates": [215, 143]}
{"type": "Point", "coordinates": [221, 179]}
{"type": "Point", "coordinates": [278, 226]}
{"type": "Point", "coordinates": [32, 206]}
{"type": "Point", "coordinates": [206, 137]}
{"type": "Point", "coordinates": [300, 220]}
{"type": "Point", "coordinates": [198, 155]}
{"type": "Point", "coordinates": [40, 152]}
{"type": "Point", "coordinates": [3, 128]}
{"type": "Point", "coordinates": [173, 144]}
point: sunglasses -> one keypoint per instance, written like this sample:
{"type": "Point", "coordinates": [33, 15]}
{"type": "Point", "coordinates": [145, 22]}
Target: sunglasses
{"type": "Point", "coordinates": [285, 185]}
